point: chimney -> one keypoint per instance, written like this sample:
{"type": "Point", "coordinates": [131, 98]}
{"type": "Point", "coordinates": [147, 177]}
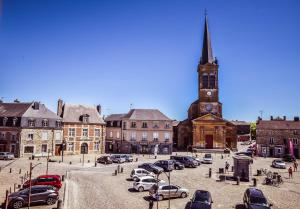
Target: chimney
{"type": "Point", "coordinates": [284, 117]}
{"type": "Point", "coordinates": [296, 118]}
{"type": "Point", "coordinates": [271, 118]}
{"type": "Point", "coordinates": [36, 105]}
{"type": "Point", "coordinates": [259, 118]}
{"type": "Point", "coordinates": [59, 107]}
{"type": "Point", "coordinates": [99, 109]}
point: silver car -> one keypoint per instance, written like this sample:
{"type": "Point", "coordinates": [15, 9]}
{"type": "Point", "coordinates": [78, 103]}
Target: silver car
{"type": "Point", "coordinates": [145, 183]}
{"type": "Point", "coordinates": [118, 158]}
{"type": "Point", "coordinates": [278, 164]}
{"type": "Point", "coordinates": [207, 159]}
{"type": "Point", "coordinates": [139, 172]}
{"type": "Point", "coordinates": [6, 156]}
{"type": "Point", "coordinates": [165, 191]}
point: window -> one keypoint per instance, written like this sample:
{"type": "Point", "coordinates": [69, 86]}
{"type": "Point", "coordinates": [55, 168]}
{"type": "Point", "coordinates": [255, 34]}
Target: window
{"type": "Point", "coordinates": [155, 124]}
{"type": "Point", "coordinates": [57, 136]}
{"type": "Point", "coordinates": [133, 124]}
{"type": "Point", "coordinates": [205, 81]}
{"type": "Point", "coordinates": [96, 145]}
{"type": "Point", "coordinates": [212, 81]}
{"type": "Point", "coordinates": [118, 134]}
{"type": "Point", "coordinates": [45, 123]}
{"type": "Point", "coordinates": [295, 141]}
{"type": "Point", "coordinates": [58, 123]}
{"type": "Point", "coordinates": [85, 132]}
{"type": "Point", "coordinates": [30, 137]}
{"type": "Point", "coordinates": [15, 121]}
{"type": "Point", "coordinates": [85, 118]}
{"type": "Point", "coordinates": [271, 140]}
{"type": "Point", "coordinates": [97, 132]}
{"type": "Point", "coordinates": [155, 136]}
{"type": "Point", "coordinates": [71, 131]}
{"type": "Point", "coordinates": [110, 134]}
{"type": "Point", "coordinates": [5, 121]}
{"type": "Point", "coordinates": [144, 125]}
{"type": "Point", "coordinates": [124, 125]}
{"type": "Point", "coordinates": [28, 149]}
{"type": "Point", "coordinates": [295, 132]}
{"type": "Point", "coordinates": [124, 136]}
{"type": "Point", "coordinates": [167, 136]}
{"type": "Point", "coordinates": [44, 135]}
{"type": "Point", "coordinates": [133, 135]}
{"type": "Point", "coordinates": [167, 125]}
{"type": "Point", "coordinates": [13, 137]}
{"type": "Point", "coordinates": [144, 136]}
{"type": "Point", "coordinates": [71, 146]}
{"type": "Point", "coordinates": [31, 123]}
{"type": "Point", "coordinates": [44, 147]}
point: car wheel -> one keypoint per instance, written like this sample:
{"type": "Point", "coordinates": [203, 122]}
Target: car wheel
{"type": "Point", "coordinates": [51, 201]}
{"type": "Point", "coordinates": [183, 195]}
{"type": "Point", "coordinates": [160, 197]}
{"type": "Point", "coordinates": [141, 189]}
{"type": "Point", "coordinates": [17, 204]}
{"type": "Point", "coordinates": [134, 178]}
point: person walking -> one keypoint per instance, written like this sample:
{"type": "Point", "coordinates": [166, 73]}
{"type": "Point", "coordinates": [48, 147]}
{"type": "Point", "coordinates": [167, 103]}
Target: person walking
{"type": "Point", "coordinates": [226, 167]}
{"type": "Point", "coordinates": [290, 170]}
{"type": "Point", "coordinates": [295, 165]}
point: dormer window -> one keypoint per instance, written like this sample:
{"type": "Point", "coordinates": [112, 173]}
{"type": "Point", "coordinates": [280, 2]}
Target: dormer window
{"type": "Point", "coordinates": [45, 123]}
{"type": "Point", "coordinates": [5, 121]}
{"type": "Point", "coordinates": [85, 118]}
{"type": "Point", "coordinates": [58, 123]}
{"type": "Point", "coordinates": [133, 124]}
{"type": "Point", "coordinates": [31, 123]}
{"type": "Point", "coordinates": [15, 121]}
{"type": "Point", "coordinates": [144, 125]}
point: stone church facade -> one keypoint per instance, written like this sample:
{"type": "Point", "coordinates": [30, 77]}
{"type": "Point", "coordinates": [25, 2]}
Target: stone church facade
{"type": "Point", "coordinates": [205, 128]}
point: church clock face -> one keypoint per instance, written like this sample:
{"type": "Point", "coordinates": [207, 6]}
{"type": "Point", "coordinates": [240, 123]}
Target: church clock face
{"type": "Point", "coordinates": [208, 93]}
{"type": "Point", "coordinates": [208, 107]}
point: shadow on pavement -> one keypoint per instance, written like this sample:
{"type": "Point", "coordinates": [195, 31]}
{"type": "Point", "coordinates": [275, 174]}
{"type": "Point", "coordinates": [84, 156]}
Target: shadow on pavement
{"type": "Point", "coordinates": [239, 206]}
{"type": "Point", "coordinates": [129, 179]}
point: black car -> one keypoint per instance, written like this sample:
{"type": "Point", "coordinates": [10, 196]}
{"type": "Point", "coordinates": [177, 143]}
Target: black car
{"type": "Point", "coordinates": [187, 161]}
{"type": "Point", "coordinates": [178, 165]}
{"type": "Point", "coordinates": [288, 158]}
{"type": "Point", "coordinates": [151, 168]}
{"type": "Point", "coordinates": [201, 200]}
{"type": "Point", "coordinates": [255, 199]}
{"type": "Point", "coordinates": [167, 165]}
{"type": "Point", "coordinates": [104, 160]}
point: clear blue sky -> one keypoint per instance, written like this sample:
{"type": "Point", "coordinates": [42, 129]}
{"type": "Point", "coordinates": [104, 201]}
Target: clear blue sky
{"type": "Point", "coordinates": [118, 52]}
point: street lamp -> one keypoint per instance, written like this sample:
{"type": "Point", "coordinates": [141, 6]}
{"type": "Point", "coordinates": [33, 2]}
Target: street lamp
{"type": "Point", "coordinates": [169, 180]}
{"type": "Point", "coordinates": [30, 173]}
{"type": "Point", "coordinates": [63, 145]}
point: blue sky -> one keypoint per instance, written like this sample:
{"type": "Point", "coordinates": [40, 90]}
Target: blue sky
{"type": "Point", "coordinates": [145, 52]}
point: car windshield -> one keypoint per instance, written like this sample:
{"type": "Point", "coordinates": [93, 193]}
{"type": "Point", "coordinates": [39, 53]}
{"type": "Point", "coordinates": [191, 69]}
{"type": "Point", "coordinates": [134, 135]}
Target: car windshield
{"type": "Point", "coordinates": [201, 197]}
{"type": "Point", "coordinates": [207, 156]}
{"type": "Point", "coordinates": [258, 201]}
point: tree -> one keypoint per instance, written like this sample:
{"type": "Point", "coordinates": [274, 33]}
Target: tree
{"type": "Point", "coordinates": [253, 130]}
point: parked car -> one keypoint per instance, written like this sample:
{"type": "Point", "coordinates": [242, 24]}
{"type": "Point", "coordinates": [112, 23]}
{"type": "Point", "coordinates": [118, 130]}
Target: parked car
{"type": "Point", "coordinates": [278, 164]}
{"type": "Point", "coordinates": [39, 194]}
{"type": "Point", "coordinates": [197, 159]}
{"type": "Point", "coordinates": [104, 160]}
{"type": "Point", "coordinates": [201, 200]}
{"type": "Point", "coordinates": [140, 172]}
{"type": "Point", "coordinates": [167, 165]}
{"type": "Point", "coordinates": [151, 167]}
{"type": "Point", "coordinates": [145, 183]}
{"type": "Point", "coordinates": [207, 159]}
{"type": "Point", "coordinates": [50, 180]}
{"type": "Point", "coordinates": [165, 191]}
{"type": "Point", "coordinates": [6, 156]}
{"type": "Point", "coordinates": [288, 158]}
{"type": "Point", "coordinates": [128, 157]}
{"type": "Point", "coordinates": [178, 165]}
{"type": "Point", "coordinates": [187, 161]}
{"type": "Point", "coordinates": [118, 158]}
{"type": "Point", "coordinates": [255, 199]}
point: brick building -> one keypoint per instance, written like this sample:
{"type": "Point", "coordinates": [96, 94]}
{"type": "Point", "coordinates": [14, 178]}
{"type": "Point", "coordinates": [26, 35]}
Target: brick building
{"type": "Point", "coordinates": [139, 131]}
{"type": "Point", "coordinates": [83, 127]}
{"type": "Point", "coordinates": [278, 136]}
{"type": "Point", "coordinates": [243, 130]}
{"type": "Point", "coordinates": [205, 128]}
{"type": "Point", "coordinates": [28, 129]}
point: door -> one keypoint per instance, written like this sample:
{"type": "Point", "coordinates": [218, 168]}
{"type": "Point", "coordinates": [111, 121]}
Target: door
{"type": "Point", "coordinates": [57, 149]}
{"type": "Point", "coordinates": [228, 142]}
{"type": "Point", "coordinates": [209, 141]}
{"type": "Point", "coordinates": [271, 152]}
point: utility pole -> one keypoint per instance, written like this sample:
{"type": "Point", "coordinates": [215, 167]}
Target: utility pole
{"type": "Point", "coordinates": [30, 173]}
{"type": "Point", "coordinates": [47, 162]}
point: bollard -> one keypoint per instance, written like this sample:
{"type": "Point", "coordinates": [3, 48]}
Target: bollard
{"type": "Point", "coordinates": [9, 190]}
{"type": "Point", "coordinates": [209, 173]}
{"type": "Point", "coordinates": [116, 172]}
{"type": "Point", "coordinates": [20, 171]}
{"type": "Point", "coordinates": [6, 199]}
{"type": "Point", "coordinates": [10, 170]}
{"type": "Point", "coordinates": [59, 204]}
{"type": "Point", "coordinates": [89, 161]}
{"type": "Point", "coordinates": [237, 180]}
{"type": "Point", "coordinates": [222, 157]}
{"type": "Point", "coordinates": [70, 162]}
{"type": "Point", "coordinates": [232, 168]}
{"type": "Point", "coordinates": [59, 162]}
{"type": "Point", "coordinates": [95, 164]}
{"type": "Point", "coordinates": [63, 178]}
{"type": "Point", "coordinates": [121, 169]}
{"type": "Point", "coordinates": [254, 182]}
{"type": "Point", "coordinates": [136, 159]}
{"type": "Point", "coordinates": [118, 168]}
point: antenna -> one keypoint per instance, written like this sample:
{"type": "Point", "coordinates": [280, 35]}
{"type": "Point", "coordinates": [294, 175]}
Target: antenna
{"type": "Point", "coordinates": [131, 105]}
{"type": "Point", "coordinates": [261, 113]}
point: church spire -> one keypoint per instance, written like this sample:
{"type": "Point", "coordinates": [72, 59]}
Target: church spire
{"type": "Point", "coordinates": [207, 55]}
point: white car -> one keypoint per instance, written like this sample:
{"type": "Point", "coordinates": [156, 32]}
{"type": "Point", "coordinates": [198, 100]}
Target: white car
{"type": "Point", "coordinates": [140, 172]}
{"type": "Point", "coordinates": [278, 164]}
{"type": "Point", "coordinates": [6, 156]}
{"type": "Point", "coordinates": [207, 159]}
{"type": "Point", "coordinates": [145, 183]}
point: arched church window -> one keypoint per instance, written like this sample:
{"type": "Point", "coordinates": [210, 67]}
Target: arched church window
{"type": "Point", "coordinates": [212, 81]}
{"type": "Point", "coordinates": [205, 81]}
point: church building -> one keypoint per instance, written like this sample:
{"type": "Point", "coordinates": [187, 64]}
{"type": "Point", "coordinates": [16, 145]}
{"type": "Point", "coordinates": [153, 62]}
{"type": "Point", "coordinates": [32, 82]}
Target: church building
{"type": "Point", "coordinates": [205, 128]}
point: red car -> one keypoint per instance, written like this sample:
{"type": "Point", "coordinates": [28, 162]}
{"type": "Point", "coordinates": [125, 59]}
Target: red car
{"type": "Point", "coordinates": [51, 180]}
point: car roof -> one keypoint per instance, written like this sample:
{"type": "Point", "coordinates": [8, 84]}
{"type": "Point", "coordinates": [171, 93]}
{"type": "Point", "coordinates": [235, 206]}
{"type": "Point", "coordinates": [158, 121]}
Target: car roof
{"type": "Point", "coordinates": [136, 169]}
{"type": "Point", "coordinates": [49, 176]}
{"type": "Point", "coordinates": [146, 177]}
{"type": "Point", "coordinates": [256, 192]}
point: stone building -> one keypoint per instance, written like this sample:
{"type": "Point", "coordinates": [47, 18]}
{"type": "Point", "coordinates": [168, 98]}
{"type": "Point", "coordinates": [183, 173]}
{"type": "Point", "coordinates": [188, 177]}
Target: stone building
{"type": "Point", "coordinates": [205, 128]}
{"type": "Point", "coordinates": [139, 131]}
{"type": "Point", "coordinates": [28, 129]}
{"type": "Point", "coordinates": [243, 130]}
{"type": "Point", "coordinates": [278, 136]}
{"type": "Point", "coordinates": [83, 128]}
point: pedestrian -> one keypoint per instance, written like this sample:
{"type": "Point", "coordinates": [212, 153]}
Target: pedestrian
{"type": "Point", "coordinates": [226, 167]}
{"type": "Point", "coordinates": [151, 204]}
{"type": "Point", "coordinates": [295, 165]}
{"type": "Point", "coordinates": [290, 170]}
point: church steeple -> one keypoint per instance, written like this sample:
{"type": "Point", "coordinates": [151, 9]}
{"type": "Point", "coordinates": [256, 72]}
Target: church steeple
{"type": "Point", "coordinates": [207, 55]}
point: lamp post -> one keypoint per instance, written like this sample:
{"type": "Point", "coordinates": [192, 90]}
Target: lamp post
{"type": "Point", "coordinates": [63, 144]}
{"type": "Point", "coordinates": [30, 174]}
{"type": "Point", "coordinates": [169, 180]}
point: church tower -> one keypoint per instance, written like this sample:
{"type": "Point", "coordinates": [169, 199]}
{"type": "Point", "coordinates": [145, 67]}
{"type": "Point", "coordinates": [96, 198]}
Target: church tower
{"type": "Point", "coordinates": [208, 85]}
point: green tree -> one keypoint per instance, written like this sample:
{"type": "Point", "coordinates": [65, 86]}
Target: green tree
{"type": "Point", "coordinates": [253, 130]}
